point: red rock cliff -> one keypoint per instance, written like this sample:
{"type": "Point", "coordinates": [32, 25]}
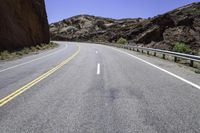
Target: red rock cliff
{"type": "Point", "coordinates": [23, 23]}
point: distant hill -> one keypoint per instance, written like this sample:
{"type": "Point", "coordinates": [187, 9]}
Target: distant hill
{"type": "Point", "coordinates": [163, 31]}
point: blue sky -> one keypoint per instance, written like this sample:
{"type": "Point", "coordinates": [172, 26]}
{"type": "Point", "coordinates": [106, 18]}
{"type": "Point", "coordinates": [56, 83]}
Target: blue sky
{"type": "Point", "coordinates": [60, 9]}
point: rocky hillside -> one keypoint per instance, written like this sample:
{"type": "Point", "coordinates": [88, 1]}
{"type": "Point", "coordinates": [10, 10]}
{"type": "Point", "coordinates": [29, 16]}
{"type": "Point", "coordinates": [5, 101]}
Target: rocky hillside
{"type": "Point", "coordinates": [163, 31]}
{"type": "Point", "coordinates": [23, 23]}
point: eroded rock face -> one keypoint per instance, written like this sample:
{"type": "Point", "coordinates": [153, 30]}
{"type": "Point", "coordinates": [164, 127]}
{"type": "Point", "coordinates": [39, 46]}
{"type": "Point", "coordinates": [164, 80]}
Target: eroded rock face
{"type": "Point", "coordinates": [180, 25]}
{"type": "Point", "coordinates": [23, 23]}
{"type": "Point", "coordinates": [91, 28]}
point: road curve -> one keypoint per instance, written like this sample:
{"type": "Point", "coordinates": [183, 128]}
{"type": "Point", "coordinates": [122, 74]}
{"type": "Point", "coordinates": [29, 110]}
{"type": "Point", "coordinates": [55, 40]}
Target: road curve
{"type": "Point", "coordinates": [100, 90]}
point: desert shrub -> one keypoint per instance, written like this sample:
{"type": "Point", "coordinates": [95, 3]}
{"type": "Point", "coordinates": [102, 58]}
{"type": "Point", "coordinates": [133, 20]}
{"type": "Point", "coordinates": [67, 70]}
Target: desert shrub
{"type": "Point", "coordinates": [38, 47]}
{"type": "Point", "coordinates": [33, 49]}
{"type": "Point", "coordinates": [20, 53]}
{"type": "Point", "coordinates": [181, 48]}
{"type": "Point", "coordinates": [4, 55]}
{"type": "Point", "coordinates": [122, 41]}
{"type": "Point", "coordinates": [25, 50]}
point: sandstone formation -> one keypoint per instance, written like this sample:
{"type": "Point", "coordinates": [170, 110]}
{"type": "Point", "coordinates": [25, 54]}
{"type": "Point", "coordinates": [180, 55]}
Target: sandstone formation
{"type": "Point", "coordinates": [163, 31]}
{"type": "Point", "coordinates": [23, 23]}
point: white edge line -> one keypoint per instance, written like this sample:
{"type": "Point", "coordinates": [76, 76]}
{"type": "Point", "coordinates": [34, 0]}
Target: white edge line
{"type": "Point", "coordinates": [161, 69]}
{"type": "Point", "coordinates": [98, 69]}
{"type": "Point", "coordinates": [32, 60]}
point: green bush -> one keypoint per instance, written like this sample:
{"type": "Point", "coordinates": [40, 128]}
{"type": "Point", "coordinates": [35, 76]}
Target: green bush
{"type": "Point", "coordinates": [181, 48]}
{"type": "Point", "coordinates": [122, 41]}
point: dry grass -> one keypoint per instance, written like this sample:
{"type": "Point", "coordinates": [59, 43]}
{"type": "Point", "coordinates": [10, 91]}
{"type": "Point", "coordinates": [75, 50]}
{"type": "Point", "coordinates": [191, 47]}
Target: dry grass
{"type": "Point", "coordinates": [8, 55]}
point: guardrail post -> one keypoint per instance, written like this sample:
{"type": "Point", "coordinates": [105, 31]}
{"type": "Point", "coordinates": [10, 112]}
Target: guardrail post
{"type": "Point", "coordinates": [191, 63]}
{"type": "Point", "coordinates": [163, 56]}
{"type": "Point", "coordinates": [175, 59]}
{"type": "Point", "coordinates": [162, 53]}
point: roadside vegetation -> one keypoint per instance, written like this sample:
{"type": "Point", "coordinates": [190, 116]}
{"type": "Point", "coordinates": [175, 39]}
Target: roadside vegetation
{"type": "Point", "coordinates": [197, 71]}
{"type": "Point", "coordinates": [182, 48]}
{"type": "Point", "coordinates": [122, 41]}
{"type": "Point", "coordinates": [8, 55]}
{"type": "Point", "coordinates": [198, 52]}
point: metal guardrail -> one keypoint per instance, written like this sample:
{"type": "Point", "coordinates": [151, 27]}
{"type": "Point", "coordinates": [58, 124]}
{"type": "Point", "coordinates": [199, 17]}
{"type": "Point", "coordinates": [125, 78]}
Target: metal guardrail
{"type": "Point", "coordinates": [176, 55]}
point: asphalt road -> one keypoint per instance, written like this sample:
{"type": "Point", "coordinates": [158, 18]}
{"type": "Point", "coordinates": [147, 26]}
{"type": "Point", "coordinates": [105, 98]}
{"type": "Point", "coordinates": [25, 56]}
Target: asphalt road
{"type": "Point", "coordinates": [97, 89]}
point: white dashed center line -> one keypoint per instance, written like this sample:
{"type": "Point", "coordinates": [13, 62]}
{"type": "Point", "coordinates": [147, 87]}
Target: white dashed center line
{"type": "Point", "coordinates": [98, 69]}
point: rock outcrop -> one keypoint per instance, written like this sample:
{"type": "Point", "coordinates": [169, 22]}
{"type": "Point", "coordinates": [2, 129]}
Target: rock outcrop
{"type": "Point", "coordinates": [23, 23]}
{"type": "Point", "coordinates": [163, 31]}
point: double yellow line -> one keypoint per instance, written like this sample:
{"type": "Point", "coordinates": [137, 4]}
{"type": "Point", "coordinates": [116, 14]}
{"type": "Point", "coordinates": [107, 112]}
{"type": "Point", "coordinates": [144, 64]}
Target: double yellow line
{"type": "Point", "coordinates": [37, 80]}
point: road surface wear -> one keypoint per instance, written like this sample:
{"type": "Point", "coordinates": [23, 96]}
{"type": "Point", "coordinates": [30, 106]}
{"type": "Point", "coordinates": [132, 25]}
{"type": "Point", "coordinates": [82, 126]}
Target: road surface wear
{"type": "Point", "coordinates": [91, 88]}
